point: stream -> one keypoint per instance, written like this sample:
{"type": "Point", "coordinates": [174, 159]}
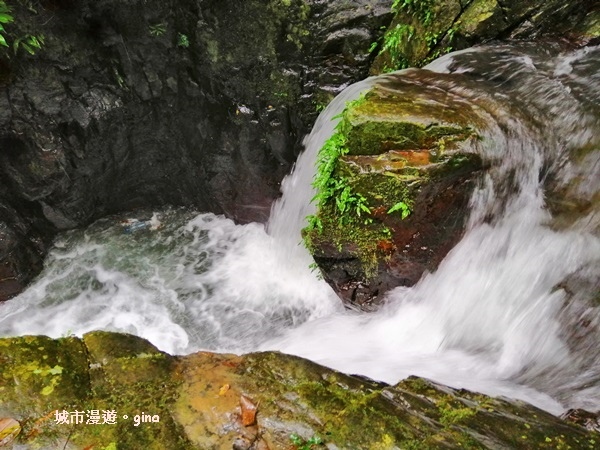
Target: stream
{"type": "Point", "coordinates": [493, 318]}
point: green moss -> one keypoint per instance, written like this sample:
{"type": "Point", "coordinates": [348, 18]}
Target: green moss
{"type": "Point", "coordinates": [351, 238]}
{"type": "Point", "coordinates": [591, 24]}
{"type": "Point", "coordinates": [41, 374]}
{"type": "Point", "coordinates": [421, 30]}
{"type": "Point", "coordinates": [130, 376]}
{"type": "Point", "coordinates": [348, 413]}
{"type": "Point", "coordinates": [476, 16]}
{"type": "Point", "coordinates": [110, 372]}
{"type": "Point", "coordinates": [293, 395]}
{"type": "Point", "coordinates": [383, 150]}
{"type": "Point", "coordinates": [453, 412]}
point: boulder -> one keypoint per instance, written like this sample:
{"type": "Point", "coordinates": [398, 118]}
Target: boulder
{"type": "Point", "coordinates": [397, 198]}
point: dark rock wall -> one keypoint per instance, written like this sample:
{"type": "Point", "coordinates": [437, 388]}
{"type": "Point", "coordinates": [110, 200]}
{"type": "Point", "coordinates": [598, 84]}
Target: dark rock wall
{"type": "Point", "coordinates": [146, 103]}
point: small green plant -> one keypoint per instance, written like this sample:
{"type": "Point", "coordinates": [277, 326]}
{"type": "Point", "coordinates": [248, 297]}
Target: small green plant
{"type": "Point", "coordinates": [422, 9]}
{"type": "Point", "coordinates": [393, 42]}
{"type": "Point", "coordinates": [158, 29]}
{"type": "Point", "coordinates": [5, 18]}
{"type": "Point", "coordinates": [324, 183]}
{"type": "Point", "coordinates": [402, 207]}
{"type": "Point", "coordinates": [31, 43]}
{"type": "Point", "coordinates": [314, 268]}
{"type": "Point", "coordinates": [426, 34]}
{"type": "Point", "coordinates": [315, 223]}
{"type": "Point", "coordinates": [302, 444]}
{"type": "Point", "coordinates": [182, 40]}
{"type": "Point", "coordinates": [347, 200]}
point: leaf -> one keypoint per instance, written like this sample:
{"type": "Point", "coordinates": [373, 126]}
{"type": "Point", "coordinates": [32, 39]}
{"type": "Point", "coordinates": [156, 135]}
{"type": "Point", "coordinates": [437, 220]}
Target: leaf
{"type": "Point", "coordinates": [33, 41]}
{"type": "Point", "coordinates": [28, 48]}
{"type": "Point", "coordinates": [9, 430]}
{"type": "Point", "coordinates": [223, 389]}
{"type": "Point", "coordinates": [6, 18]}
{"type": "Point", "coordinates": [48, 390]}
{"type": "Point", "coordinates": [3, 41]}
{"type": "Point", "coordinates": [400, 206]}
{"type": "Point", "coordinates": [248, 411]}
{"type": "Point", "coordinates": [296, 440]}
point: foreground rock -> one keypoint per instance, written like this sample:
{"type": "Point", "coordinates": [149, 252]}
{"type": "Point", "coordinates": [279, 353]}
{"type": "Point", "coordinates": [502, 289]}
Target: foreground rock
{"type": "Point", "coordinates": [257, 401]}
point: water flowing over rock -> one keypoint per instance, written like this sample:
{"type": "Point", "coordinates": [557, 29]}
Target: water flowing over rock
{"type": "Point", "coordinates": [195, 403]}
{"type": "Point", "coordinates": [419, 139]}
{"type": "Point", "coordinates": [194, 103]}
{"type": "Point", "coordinates": [151, 103]}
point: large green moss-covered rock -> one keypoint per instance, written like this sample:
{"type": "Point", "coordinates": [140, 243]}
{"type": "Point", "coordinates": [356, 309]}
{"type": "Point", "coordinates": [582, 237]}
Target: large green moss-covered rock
{"type": "Point", "coordinates": [258, 401]}
{"type": "Point", "coordinates": [396, 200]}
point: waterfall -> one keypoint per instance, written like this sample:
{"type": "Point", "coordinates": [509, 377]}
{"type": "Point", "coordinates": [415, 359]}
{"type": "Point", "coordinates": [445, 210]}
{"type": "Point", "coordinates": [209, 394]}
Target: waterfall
{"type": "Point", "coordinates": [493, 314]}
{"type": "Point", "coordinates": [495, 317]}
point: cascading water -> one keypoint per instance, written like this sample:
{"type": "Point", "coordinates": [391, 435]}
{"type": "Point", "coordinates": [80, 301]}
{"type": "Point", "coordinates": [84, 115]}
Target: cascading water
{"type": "Point", "coordinates": [492, 318]}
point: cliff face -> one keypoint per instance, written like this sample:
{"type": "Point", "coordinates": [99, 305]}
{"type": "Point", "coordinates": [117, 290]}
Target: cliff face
{"type": "Point", "coordinates": [147, 103]}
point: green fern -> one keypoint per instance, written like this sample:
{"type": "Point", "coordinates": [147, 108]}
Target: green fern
{"type": "Point", "coordinates": [31, 43]}
{"type": "Point", "coordinates": [400, 206]}
{"type": "Point", "coordinates": [5, 18]}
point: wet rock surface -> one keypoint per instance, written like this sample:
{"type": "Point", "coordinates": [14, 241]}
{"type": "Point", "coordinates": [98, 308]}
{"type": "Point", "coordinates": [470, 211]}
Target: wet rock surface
{"type": "Point", "coordinates": [202, 401]}
{"type": "Point", "coordinates": [147, 103]}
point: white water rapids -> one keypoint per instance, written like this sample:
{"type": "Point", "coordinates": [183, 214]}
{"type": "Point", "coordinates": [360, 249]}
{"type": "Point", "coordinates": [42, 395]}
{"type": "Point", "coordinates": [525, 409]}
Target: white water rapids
{"type": "Point", "coordinates": [493, 317]}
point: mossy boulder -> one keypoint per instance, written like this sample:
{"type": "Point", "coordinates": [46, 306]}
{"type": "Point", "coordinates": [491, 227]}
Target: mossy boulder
{"type": "Point", "coordinates": [409, 156]}
{"type": "Point", "coordinates": [196, 402]}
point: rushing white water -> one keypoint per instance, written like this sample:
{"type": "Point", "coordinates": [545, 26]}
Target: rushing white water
{"type": "Point", "coordinates": [492, 318]}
